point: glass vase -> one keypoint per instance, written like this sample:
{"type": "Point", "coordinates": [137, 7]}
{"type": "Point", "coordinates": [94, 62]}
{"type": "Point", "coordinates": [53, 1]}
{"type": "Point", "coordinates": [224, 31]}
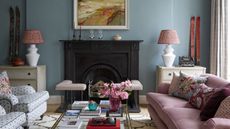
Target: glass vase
{"type": "Point", "coordinates": [115, 104]}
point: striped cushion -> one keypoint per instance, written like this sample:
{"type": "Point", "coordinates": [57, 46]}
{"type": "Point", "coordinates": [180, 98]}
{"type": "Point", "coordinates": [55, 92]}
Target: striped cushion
{"type": "Point", "coordinates": [4, 83]}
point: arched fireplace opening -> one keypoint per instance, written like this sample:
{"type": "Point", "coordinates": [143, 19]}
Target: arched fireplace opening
{"type": "Point", "coordinates": [99, 73]}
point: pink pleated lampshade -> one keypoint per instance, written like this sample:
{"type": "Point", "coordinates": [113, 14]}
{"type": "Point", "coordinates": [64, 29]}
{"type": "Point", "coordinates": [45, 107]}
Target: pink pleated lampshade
{"type": "Point", "coordinates": [168, 37]}
{"type": "Point", "coordinates": [32, 37]}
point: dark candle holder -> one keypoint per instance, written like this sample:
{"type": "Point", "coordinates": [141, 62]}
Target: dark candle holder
{"type": "Point", "coordinates": [74, 34]}
{"type": "Point", "coordinates": [80, 33]}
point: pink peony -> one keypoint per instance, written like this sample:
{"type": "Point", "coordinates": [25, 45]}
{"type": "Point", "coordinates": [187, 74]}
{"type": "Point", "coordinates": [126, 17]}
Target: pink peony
{"type": "Point", "coordinates": [116, 90]}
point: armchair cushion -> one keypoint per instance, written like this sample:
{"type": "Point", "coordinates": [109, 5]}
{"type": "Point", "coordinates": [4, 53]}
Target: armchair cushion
{"type": "Point", "coordinates": [10, 97]}
{"type": "Point", "coordinates": [4, 83]}
{"type": "Point", "coordinates": [27, 103]}
{"type": "Point", "coordinates": [2, 111]}
{"type": "Point", "coordinates": [12, 120]}
{"type": "Point", "coordinates": [22, 90]}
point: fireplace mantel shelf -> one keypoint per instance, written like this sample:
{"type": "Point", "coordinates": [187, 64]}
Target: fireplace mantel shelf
{"type": "Point", "coordinates": [101, 41]}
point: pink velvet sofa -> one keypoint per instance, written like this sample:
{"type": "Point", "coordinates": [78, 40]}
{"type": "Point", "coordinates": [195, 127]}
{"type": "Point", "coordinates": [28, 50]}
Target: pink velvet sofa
{"type": "Point", "coordinates": [169, 112]}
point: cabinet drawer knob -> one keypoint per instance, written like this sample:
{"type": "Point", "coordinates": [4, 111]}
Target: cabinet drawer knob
{"type": "Point", "coordinates": [170, 74]}
{"type": "Point", "coordinates": [29, 73]}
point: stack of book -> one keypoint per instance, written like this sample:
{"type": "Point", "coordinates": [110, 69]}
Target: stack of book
{"type": "Point", "coordinates": [79, 104]}
{"type": "Point", "coordinates": [70, 120]}
{"type": "Point", "coordinates": [71, 114]}
{"type": "Point", "coordinates": [86, 113]}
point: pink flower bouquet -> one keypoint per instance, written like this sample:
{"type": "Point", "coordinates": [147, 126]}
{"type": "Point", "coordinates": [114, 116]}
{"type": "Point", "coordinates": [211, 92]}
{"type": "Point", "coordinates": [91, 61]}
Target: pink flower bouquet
{"type": "Point", "coordinates": [116, 90]}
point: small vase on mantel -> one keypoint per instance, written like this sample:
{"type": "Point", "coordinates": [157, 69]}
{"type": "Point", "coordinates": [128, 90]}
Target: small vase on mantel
{"type": "Point", "coordinates": [115, 104]}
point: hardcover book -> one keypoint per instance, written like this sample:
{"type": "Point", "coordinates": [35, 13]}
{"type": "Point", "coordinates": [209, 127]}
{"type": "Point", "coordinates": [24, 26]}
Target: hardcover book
{"type": "Point", "coordinates": [117, 126]}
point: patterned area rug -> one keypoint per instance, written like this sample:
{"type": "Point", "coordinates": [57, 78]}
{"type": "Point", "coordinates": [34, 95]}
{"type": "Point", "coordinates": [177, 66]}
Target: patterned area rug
{"type": "Point", "coordinates": [139, 121]}
{"type": "Point", "coordinates": [47, 121]}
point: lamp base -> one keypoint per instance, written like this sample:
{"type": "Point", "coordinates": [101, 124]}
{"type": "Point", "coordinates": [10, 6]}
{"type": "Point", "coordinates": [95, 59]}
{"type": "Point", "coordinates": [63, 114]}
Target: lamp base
{"type": "Point", "coordinates": [32, 57]}
{"type": "Point", "coordinates": [168, 56]}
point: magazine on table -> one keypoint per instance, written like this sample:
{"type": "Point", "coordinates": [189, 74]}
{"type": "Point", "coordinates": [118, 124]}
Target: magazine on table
{"type": "Point", "coordinates": [72, 114]}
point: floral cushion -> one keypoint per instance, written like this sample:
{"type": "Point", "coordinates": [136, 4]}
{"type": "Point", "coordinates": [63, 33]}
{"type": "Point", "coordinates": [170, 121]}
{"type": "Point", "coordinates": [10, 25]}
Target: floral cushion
{"type": "Point", "coordinates": [182, 86]}
{"type": "Point", "coordinates": [4, 83]}
{"type": "Point", "coordinates": [201, 95]}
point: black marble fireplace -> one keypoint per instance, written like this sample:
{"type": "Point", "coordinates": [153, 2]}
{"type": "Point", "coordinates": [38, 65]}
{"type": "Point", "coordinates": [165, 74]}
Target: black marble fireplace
{"type": "Point", "coordinates": [103, 60]}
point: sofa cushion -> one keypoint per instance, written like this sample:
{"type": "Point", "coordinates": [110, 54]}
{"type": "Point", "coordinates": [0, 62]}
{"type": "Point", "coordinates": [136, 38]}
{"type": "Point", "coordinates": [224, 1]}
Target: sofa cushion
{"type": "Point", "coordinates": [223, 110]}
{"type": "Point", "coordinates": [200, 95]}
{"type": "Point", "coordinates": [209, 110]}
{"type": "Point", "coordinates": [182, 118]}
{"type": "Point", "coordinates": [174, 83]}
{"type": "Point", "coordinates": [165, 100]}
{"type": "Point", "coordinates": [4, 83]}
{"type": "Point", "coordinates": [28, 103]}
{"type": "Point", "coordinates": [183, 86]}
{"type": "Point", "coordinates": [12, 120]}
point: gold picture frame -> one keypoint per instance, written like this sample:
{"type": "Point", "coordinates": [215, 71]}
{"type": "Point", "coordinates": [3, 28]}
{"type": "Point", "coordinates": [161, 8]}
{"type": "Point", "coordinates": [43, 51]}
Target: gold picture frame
{"type": "Point", "coordinates": [100, 14]}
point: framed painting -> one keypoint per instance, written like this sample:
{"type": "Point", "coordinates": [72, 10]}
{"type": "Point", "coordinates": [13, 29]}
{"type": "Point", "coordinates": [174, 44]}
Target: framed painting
{"type": "Point", "coordinates": [100, 14]}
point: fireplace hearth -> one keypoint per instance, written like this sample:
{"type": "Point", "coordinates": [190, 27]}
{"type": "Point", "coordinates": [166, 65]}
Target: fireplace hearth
{"type": "Point", "coordinates": [103, 60]}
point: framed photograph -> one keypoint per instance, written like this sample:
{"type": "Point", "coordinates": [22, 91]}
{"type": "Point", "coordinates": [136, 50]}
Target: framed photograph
{"type": "Point", "coordinates": [100, 14]}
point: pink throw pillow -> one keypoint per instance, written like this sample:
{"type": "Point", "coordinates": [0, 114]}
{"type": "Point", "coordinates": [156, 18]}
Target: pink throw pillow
{"type": "Point", "coordinates": [209, 110]}
{"type": "Point", "coordinates": [201, 95]}
{"type": "Point", "coordinates": [4, 83]}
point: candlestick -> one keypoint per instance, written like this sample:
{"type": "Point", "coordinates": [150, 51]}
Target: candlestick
{"type": "Point", "coordinates": [80, 33]}
{"type": "Point", "coordinates": [74, 31]}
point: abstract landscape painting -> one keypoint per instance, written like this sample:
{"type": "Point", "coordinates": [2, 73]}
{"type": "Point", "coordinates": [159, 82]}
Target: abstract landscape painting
{"type": "Point", "coordinates": [100, 14]}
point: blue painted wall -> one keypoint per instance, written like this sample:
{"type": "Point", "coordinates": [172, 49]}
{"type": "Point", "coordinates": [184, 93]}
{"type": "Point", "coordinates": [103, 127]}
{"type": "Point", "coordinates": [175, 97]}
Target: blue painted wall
{"type": "Point", "coordinates": [147, 18]}
{"type": "Point", "coordinates": [4, 27]}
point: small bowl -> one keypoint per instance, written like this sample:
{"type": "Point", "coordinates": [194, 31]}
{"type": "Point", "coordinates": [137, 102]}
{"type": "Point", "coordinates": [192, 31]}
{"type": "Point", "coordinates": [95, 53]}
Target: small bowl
{"type": "Point", "coordinates": [92, 106]}
{"type": "Point", "coordinates": [117, 37]}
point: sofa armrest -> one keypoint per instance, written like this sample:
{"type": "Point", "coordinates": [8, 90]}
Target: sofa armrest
{"type": "Point", "coordinates": [7, 101]}
{"type": "Point", "coordinates": [217, 123]}
{"type": "Point", "coordinates": [163, 88]}
{"type": "Point", "coordinates": [22, 90]}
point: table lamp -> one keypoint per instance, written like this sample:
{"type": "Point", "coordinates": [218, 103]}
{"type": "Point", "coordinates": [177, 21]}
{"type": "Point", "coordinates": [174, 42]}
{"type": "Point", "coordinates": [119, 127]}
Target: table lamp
{"type": "Point", "coordinates": [168, 37]}
{"type": "Point", "coordinates": [32, 37]}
